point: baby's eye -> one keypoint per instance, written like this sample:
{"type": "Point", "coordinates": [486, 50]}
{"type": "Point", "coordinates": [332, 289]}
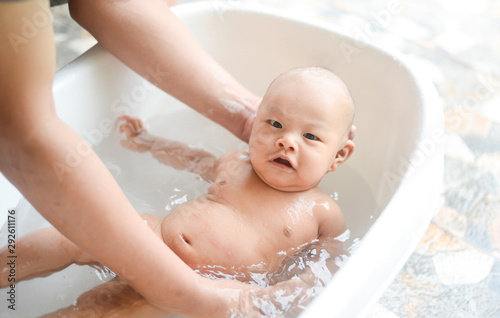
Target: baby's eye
{"type": "Point", "coordinates": [274, 123]}
{"type": "Point", "coordinates": [310, 136]}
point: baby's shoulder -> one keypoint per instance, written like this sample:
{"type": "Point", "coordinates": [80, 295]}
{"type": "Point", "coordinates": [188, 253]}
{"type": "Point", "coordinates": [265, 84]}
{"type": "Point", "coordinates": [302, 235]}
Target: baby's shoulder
{"type": "Point", "coordinates": [319, 196]}
{"type": "Point", "coordinates": [324, 203]}
{"type": "Point", "coordinates": [328, 214]}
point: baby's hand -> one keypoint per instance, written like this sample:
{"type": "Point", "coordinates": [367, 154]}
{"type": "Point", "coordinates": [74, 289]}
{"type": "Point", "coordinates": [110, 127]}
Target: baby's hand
{"type": "Point", "coordinates": [138, 139]}
{"type": "Point", "coordinates": [132, 126]}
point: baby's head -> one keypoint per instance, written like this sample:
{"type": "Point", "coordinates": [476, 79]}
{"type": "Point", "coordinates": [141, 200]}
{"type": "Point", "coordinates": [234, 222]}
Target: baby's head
{"type": "Point", "coordinates": [301, 131]}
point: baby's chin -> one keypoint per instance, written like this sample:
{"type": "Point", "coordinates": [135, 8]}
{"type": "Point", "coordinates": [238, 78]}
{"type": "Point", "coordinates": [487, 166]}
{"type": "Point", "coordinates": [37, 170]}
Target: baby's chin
{"type": "Point", "coordinates": [289, 188]}
{"type": "Point", "coordinates": [283, 186]}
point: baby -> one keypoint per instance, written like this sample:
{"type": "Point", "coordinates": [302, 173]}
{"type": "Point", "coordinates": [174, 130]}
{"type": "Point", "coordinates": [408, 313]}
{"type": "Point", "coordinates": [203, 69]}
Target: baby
{"type": "Point", "coordinates": [261, 205]}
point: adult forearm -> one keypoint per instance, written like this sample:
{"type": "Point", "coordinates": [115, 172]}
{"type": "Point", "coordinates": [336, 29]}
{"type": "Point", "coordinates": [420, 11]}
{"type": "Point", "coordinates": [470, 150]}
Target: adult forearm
{"type": "Point", "coordinates": [88, 207]}
{"type": "Point", "coordinates": [148, 37]}
{"type": "Point", "coordinates": [77, 194]}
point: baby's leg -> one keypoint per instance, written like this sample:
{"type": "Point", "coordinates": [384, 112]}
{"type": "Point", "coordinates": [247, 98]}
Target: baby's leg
{"type": "Point", "coordinates": [109, 300]}
{"type": "Point", "coordinates": [40, 253]}
{"type": "Point", "coordinates": [46, 251]}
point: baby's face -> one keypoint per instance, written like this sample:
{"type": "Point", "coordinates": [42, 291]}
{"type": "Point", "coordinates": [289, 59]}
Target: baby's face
{"type": "Point", "coordinates": [299, 131]}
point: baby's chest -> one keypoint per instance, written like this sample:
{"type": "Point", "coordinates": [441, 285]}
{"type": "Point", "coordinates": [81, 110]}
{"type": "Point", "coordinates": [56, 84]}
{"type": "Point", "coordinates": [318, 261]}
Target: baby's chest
{"type": "Point", "coordinates": [277, 213]}
{"type": "Point", "coordinates": [292, 221]}
{"type": "Point", "coordinates": [277, 217]}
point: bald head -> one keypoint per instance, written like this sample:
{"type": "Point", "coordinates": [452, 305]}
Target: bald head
{"type": "Point", "coordinates": [331, 85]}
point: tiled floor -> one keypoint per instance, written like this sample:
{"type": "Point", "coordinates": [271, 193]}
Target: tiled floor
{"type": "Point", "coordinates": [71, 39]}
{"type": "Point", "coordinates": [455, 270]}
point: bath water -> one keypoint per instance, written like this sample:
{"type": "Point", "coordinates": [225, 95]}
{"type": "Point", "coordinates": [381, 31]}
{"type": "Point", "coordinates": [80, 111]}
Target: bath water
{"type": "Point", "coordinates": [157, 189]}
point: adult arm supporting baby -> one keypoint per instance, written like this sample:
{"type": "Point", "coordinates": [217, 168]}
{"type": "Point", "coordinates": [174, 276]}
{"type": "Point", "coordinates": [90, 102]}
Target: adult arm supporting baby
{"type": "Point", "coordinates": [45, 251]}
{"type": "Point", "coordinates": [85, 204]}
{"type": "Point", "coordinates": [158, 46]}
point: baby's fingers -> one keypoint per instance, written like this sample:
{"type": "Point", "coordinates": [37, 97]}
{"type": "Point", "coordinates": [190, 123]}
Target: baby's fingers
{"type": "Point", "coordinates": [138, 125]}
{"type": "Point", "coordinates": [133, 126]}
{"type": "Point", "coordinates": [128, 129]}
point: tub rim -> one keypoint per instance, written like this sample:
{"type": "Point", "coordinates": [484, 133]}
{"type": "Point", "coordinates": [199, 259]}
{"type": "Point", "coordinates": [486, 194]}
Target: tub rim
{"type": "Point", "coordinates": [363, 285]}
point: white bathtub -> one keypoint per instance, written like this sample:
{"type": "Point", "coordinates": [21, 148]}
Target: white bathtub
{"type": "Point", "coordinates": [388, 190]}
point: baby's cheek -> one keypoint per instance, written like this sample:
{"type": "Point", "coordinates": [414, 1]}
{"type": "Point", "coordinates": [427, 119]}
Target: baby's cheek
{"type": "Point", "coordinates": [257, 144]}
{"type": "Point", "coordinates": [264, 135]}
{"type": "Point", "coordinates": [314, 169]}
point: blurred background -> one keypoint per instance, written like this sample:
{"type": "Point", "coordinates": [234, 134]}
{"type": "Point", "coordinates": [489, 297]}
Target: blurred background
{"type": "Point", "coordinates": [455, 269]}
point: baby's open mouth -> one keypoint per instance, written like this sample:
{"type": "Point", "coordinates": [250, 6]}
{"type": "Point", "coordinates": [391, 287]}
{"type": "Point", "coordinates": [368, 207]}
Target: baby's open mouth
{"type": "Point", "coordinates": [282, 161]}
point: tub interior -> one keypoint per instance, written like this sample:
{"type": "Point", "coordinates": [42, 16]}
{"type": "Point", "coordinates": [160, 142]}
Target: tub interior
{"type": "Point", "coordinates": [388, 116]}
{"type": "Point", "coordinates": [254, 45]}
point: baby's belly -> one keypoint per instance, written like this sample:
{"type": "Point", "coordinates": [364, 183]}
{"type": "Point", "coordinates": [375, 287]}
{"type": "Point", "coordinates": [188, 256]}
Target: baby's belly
{"type": "Point", "coordinates": [203, 232]}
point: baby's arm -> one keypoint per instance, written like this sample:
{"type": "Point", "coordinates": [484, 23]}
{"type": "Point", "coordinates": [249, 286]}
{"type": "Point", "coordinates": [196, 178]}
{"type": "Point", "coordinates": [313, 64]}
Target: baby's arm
{"type": "Point", "coordinates": [175, 154]}
{"type": "Point", "coordinates": [41, 253]}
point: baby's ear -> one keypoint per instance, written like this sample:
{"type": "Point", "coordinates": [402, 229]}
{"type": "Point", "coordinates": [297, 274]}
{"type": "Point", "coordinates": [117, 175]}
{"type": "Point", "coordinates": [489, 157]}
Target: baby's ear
{"type": "Point", "coordinates": [343, 154]}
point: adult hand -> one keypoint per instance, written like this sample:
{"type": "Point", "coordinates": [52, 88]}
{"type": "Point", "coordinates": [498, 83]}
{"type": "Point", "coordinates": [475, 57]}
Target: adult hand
{"type": "Point", "coordinates": [172, 60]}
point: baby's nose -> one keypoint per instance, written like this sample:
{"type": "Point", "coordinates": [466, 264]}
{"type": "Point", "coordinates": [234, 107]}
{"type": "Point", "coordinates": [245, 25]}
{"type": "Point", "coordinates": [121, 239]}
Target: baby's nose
{"type": "Point", "coordinates": [287, 142]}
